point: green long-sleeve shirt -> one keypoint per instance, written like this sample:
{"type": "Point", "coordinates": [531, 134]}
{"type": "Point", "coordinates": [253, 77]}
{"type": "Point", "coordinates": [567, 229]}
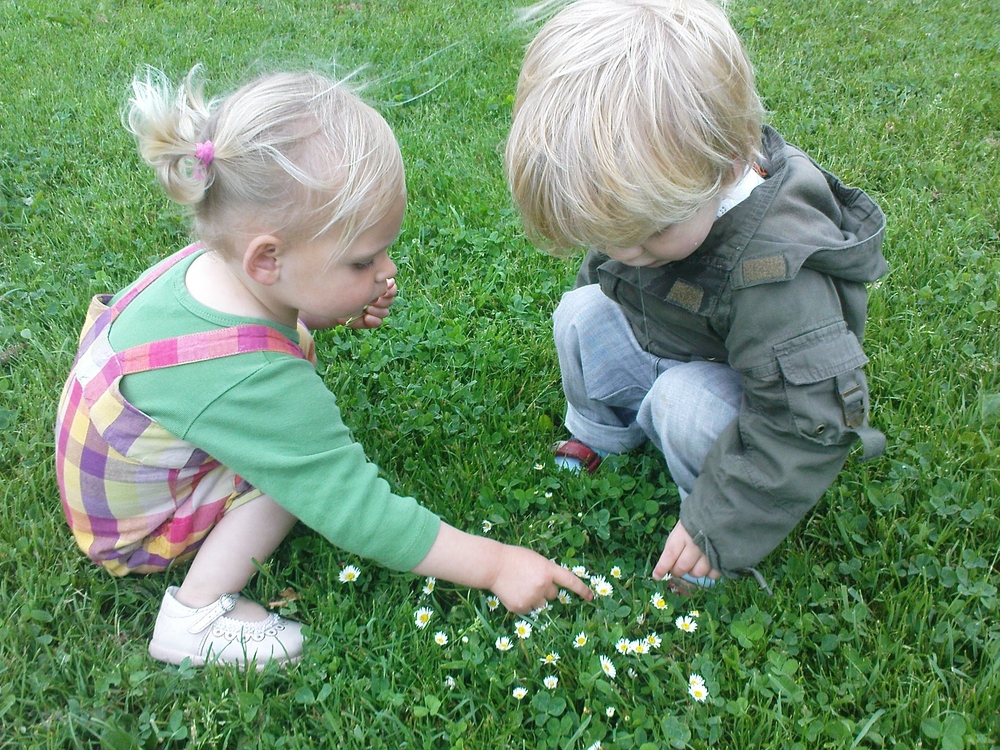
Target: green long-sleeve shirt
{"type": "Point", "coordinates": [270, 418]}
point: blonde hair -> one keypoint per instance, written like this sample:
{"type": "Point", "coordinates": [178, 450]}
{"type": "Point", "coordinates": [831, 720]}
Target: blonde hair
{"type": "Point", "coordinates": [296, 153]}
{"type": "Point", "coordinates": [630, 115]}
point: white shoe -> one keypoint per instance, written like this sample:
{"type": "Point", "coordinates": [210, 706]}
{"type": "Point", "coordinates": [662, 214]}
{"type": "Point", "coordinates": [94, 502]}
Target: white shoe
{"type": "Point", "coordinates": [207, 636]}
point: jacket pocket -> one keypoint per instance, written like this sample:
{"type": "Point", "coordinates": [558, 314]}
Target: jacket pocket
{"type": "Point", "coordinates": [814, 366]}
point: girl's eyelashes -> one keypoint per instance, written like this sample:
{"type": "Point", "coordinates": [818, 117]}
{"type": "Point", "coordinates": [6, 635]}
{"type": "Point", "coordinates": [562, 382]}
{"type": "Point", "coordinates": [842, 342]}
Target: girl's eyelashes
{"type": "Point", "coordinates": [363, 266]}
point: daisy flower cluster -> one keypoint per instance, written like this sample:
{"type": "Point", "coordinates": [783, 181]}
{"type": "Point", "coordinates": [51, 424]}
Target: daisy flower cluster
{"type": "Point", "coordinates": [627, 639]}
{"type": "Point", "coordinates": [696, 688]}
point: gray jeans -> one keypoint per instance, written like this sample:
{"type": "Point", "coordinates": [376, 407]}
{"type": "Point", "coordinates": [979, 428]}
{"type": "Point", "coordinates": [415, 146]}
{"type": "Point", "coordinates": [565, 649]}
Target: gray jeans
{"type": "Point", "coordinates": [620, 395]}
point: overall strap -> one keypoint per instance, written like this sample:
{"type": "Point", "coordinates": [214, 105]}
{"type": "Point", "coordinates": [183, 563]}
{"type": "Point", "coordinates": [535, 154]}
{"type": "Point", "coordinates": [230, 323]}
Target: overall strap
{"type": "Point", "coordinates": [154, 273]}
{"type": "Point", "coordinates": [200, 347]}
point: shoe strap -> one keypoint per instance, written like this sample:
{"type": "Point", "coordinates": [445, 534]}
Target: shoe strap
{"type": "Point", "coordinates": [213, 612]}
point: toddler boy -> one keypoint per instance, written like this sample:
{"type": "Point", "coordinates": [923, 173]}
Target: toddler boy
{"type": "Point", "coordinates": [720, 309]}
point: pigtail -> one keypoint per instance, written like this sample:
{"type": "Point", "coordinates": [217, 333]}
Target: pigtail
{"type": "Point", "coordinates": [290, 153]}
{"type": "Point", "coordinates": [169, 126]}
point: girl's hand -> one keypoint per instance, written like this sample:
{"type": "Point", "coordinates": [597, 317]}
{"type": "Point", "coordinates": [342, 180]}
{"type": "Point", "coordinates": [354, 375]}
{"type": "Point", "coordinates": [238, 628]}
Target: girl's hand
{"type": "Point", "coordinates": [525, 580]}
{"type": "Point", "coordinates": [371, 317]}
{"type": "Point", "coordinates": [681, 555]}
{"type": "Point", "coordinates": [377, 311]}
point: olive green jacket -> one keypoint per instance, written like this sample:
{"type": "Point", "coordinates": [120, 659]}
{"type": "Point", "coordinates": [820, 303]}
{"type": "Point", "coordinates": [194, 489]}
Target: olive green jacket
{"type": "Point", "coordinates": [777, 291]}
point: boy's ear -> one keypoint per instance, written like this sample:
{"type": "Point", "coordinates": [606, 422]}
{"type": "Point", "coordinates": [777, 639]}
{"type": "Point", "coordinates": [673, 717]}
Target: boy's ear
{"type": "Point", "coordinates": [261, 259]}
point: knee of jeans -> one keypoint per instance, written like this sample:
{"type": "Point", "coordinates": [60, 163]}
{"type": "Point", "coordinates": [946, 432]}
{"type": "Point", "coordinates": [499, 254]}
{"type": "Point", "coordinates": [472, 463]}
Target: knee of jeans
{"type": "Point", "coordinates": [571, 311]}
{"type": "Point", "coordinates": [686, 415]}
{"type": "Point", "coordinates": [666, 400]}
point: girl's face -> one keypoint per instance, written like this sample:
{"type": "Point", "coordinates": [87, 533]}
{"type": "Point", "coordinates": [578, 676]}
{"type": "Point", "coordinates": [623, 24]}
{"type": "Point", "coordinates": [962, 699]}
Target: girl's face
{"type": "Point", "coordinates": [674, 243]}
{"type": "Point", "coordinates": [323, 289]}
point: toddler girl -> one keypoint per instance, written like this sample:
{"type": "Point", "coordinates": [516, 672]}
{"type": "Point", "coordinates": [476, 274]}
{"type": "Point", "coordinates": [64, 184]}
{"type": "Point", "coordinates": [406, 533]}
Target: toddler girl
{"type": "Point", "coordinates": [193, 423]}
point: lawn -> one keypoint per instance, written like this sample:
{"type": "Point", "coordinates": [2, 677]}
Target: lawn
{"type": "Point", "coordinates": [882, 630]}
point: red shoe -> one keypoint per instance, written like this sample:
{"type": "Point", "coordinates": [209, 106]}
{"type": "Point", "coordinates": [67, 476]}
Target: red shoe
{"type": "Point", "coordinates": [573, 448]}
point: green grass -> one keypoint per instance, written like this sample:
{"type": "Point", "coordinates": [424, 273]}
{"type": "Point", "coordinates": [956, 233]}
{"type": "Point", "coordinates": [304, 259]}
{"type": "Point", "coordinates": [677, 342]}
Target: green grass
{"type": "Point", "coordinates": [883, 629]}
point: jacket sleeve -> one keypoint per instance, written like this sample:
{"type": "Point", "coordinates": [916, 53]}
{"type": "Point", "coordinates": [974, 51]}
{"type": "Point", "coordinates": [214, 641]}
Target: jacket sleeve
{"type": "Point", "coordinates": [804, 400]}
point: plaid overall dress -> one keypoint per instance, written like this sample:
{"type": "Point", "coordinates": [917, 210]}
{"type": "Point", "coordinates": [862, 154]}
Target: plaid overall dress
{"type": "Point", "coordinates": [137, 498]}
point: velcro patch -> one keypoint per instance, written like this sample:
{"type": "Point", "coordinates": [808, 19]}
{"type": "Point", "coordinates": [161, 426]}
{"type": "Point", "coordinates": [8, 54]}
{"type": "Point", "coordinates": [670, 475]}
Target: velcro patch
{"type": "Point", "coordinates": [686, 295]}
{"type": "Point", "coordinates": [769, 268]}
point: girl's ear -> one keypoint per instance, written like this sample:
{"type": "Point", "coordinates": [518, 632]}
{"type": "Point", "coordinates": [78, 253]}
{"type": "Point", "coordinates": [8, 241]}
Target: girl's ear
{"type": "Point", "coordinates": [260, 259]}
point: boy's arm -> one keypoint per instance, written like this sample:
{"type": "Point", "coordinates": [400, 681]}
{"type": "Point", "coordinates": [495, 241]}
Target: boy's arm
{"type": "Point", "coordinates": [523, 580]}
{"type": "Point", "coordinates": [805, 400]}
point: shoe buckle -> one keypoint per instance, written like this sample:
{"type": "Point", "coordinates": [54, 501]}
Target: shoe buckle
{"type": "Point", "coordinates": [213, 612]}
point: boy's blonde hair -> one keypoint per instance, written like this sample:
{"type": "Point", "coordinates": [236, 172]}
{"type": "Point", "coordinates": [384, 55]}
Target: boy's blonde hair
{"type": "Point", "coordinates": [630, 115]}
{"type": "Point", "coordinates": [292, 153]}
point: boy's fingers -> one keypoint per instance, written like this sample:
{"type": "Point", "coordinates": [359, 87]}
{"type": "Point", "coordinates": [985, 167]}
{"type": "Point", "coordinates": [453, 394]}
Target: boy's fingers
{"type": "Point", "coordinates": [568, 580]}
{"type": "Point", "coordinates": [665, 564]}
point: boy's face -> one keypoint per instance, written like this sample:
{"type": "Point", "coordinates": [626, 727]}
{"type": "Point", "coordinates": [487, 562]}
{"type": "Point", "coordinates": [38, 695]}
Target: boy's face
{"type": "Point", "coordinates": [673, 243]}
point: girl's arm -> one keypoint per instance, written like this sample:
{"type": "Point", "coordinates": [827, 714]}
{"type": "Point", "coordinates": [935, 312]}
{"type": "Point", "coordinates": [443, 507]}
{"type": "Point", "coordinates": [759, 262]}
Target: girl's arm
{"type": "Point", "coordinates": [523, 580]}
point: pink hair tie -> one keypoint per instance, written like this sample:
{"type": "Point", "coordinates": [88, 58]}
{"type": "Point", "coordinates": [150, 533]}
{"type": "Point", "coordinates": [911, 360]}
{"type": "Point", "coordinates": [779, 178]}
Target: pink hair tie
{"type": "Point", "coordinates": [204, 152]}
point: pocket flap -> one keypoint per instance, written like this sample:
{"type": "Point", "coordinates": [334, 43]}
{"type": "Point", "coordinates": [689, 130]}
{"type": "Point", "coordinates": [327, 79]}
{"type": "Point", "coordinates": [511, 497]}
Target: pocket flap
{"type": "Point", "coordinates": [819, 355]}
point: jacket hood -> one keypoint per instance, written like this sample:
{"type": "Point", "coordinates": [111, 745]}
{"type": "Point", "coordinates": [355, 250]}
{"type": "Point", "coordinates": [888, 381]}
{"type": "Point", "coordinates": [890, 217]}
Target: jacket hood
{"type": "Point", "coordinates": [813, 221]}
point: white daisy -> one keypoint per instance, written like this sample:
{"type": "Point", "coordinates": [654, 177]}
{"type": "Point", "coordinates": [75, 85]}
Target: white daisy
{"type": "Point", "coordinates": [616, 572]}
{"type": "Point", "coordinates": [538, 610]}
{"type": "Point", "coordinates": [487, 526]}
{"type": "Point", "coordinates": [564, 596]}
{"type": "Point", "coordinates": [551, 682]}
{"type": "Point", "coordinates": [492, 602]}
{"type": "Point", "coordinates": [686, 624]}
{"type": "Point", "coordinates": [441, 638]}
{"type": "Point", "coordinates": [449, 682]}
{"type": "Point", "coordinates": [429, 584]}
{"type": "Point", "coordinates": [522, 629]}
{"type": "Point", "coordinates": [658, 601]}
{"type": "Point", "coordinates": [520, 692]}
{"type": "Point", "coordinates": [653, 640]}
{"type": "Point", "coordinates": [579, 571]}
{"type": "Point", "coordinates": [349, 574]}
{"type": "Point", "coordinates": [609, 711]}
{"type": "Point", "coordinates": [423, 616]}
{"type": "Point", "coordinates": [622, 646]}
{"type": "Point", "coordinates": [601, 586]}
{"type": "Point", "coordinates": [580, 640]}
{"type": "Point", "coordinates": [698, 692]}
{"type": "Point", "coordinates": [639, 647]}
{"type": "Point", "coordinates": [503, 643]}
{"type": "Point", "coordinates": [696, 679]}
{"type": "Point", "coordinates": [608, 666]}
{"type": "Point", "coordinates": [550, 658]}
{"type": "Point", "coordinates": [595, 746]}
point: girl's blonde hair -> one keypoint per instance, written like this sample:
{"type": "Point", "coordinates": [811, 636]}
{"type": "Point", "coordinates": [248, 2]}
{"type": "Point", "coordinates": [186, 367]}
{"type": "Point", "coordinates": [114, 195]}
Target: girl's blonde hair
{"type": "Point", "coordinates": [630, 115]}
{"type": "Point", "coordinates": [293, 153]}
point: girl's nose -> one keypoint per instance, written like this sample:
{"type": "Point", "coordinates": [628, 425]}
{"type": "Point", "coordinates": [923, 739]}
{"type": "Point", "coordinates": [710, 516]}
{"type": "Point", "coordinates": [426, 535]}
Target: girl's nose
{"type": "Point", "coordinates": [387, 269]}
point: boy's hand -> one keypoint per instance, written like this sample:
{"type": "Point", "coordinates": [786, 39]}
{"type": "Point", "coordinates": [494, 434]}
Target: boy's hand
{"type": "Point", "coordinates": [681, 555]}
{"type": "Point", "coordinates": [525, 580]}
